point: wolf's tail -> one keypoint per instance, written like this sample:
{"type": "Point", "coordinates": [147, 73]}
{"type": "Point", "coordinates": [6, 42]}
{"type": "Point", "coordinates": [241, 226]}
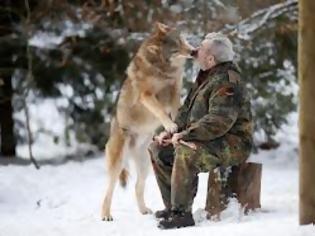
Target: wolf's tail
{"type": "Point", "coordinates": [123, 178]}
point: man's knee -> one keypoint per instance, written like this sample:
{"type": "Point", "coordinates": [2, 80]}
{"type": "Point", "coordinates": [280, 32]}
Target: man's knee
{"type": "Point", "coordinates": [200, 158]}
{"type": "Point", "coordinates": [183, 152]}
{"type": "Point", "coordinates": [153, 150]}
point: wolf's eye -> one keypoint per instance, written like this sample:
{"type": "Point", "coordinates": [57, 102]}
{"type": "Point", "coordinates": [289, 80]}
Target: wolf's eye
{"type": "Point", "coordinates": [174, 50]}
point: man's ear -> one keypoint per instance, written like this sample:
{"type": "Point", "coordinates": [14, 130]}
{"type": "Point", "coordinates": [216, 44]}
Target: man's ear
{"type": "Point", "coordinates": [153, 49]}
{"type": "Point", "coordinates": [162, 28]}
{"type": "Point", "coordinates": [210, 58]}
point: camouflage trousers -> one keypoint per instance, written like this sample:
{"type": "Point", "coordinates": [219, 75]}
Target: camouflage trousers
{"type": "Point", "coordinates": [176, 170]}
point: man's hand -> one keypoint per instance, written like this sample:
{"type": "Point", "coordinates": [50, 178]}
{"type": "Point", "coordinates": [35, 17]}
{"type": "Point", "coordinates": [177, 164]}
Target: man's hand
{"type": "Point", "coordinates": [176, 138]}
{"type": "Point", "coordinates": [162, 137]}
{"type": "Point", "coordinates": [165, 138]}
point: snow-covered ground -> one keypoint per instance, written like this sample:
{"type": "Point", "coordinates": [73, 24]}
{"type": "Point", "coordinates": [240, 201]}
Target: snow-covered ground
{"type": "Point", "coordinates": [66, 200]}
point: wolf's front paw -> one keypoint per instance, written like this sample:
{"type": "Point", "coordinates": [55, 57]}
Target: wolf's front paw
{"type": "Point", "coordinates": [171, 127]}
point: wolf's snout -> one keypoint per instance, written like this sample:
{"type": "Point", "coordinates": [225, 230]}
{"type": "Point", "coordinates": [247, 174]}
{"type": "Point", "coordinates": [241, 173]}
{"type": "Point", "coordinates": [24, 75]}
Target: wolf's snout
{"type": "Point", "coordinates": [194, 53]}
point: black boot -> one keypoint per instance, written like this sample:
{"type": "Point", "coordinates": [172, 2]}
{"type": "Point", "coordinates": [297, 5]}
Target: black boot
{"type": "Point", "coordinates": [177, 219]}
{"type": "Point", "coordinates": [163, 213]}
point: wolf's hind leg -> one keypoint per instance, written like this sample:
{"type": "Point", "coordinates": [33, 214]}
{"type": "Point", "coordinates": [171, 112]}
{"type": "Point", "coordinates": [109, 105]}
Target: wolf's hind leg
{"type": "Point", "coordinates": [114, 161]}
{"type": "Point", "coordinates": [143, 164]}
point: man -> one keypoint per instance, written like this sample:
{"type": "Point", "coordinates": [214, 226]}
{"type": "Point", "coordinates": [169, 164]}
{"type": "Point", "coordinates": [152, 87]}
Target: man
{"type": "Point", "coordinates": [214, 129]}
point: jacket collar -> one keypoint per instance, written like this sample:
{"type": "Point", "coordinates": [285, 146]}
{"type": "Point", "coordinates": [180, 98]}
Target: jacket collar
{"type": "Point", "coordinates": [219, 68]}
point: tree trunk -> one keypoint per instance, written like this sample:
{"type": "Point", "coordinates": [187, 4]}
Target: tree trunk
{"type": "Point", "coordinates": [243, 183]}
{"type": "Point", "coordinates": [6, 118]}
{"type": "Point", "coordinates": [7, 139]}
{"type": "Point", "coordinates": [307, 112]}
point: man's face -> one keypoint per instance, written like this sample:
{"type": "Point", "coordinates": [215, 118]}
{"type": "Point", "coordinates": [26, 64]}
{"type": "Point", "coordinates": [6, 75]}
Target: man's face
{"type": "Point", "coordinates": [204, 58]}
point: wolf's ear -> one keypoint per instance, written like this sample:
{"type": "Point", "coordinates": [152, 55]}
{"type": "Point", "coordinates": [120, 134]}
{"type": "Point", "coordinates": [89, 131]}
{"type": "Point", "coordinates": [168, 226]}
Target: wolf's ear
{"type": "Point", "coordinates": [153, 49]}
{"type": "Point", "coordinates": [162, 28]}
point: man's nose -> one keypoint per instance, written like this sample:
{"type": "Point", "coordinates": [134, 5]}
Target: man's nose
{"type": "Point", "coordinates": [194, 53]}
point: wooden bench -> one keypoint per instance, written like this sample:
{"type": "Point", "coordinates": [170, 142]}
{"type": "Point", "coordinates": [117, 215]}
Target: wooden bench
{"type": "Point", "coordinates": [242, 182]}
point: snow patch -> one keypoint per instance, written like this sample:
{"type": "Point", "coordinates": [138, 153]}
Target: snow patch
{"type": "Point", "coordinates": [66, 200]}
{"type": "Point", "coordinates": [50, 40]}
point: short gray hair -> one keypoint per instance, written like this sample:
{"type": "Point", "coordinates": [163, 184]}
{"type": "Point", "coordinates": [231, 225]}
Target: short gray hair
{"type": "Point", "coordinates": [220, 47]}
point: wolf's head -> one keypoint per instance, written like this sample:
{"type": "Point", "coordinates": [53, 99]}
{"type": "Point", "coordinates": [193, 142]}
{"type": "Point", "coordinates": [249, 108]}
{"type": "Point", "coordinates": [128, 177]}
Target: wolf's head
{"type": "Point", "coordinates": [167, 43]}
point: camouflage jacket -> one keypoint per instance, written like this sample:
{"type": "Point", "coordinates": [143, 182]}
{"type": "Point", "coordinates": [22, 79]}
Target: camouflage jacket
{"type": "Point", "coordinates": [217, 110]}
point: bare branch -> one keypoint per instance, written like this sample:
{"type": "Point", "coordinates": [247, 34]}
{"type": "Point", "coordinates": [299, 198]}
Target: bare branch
{"type": "Point", "coordinates": [247, 27]}
{"type": "Point", "coordinates": [29, 78]}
